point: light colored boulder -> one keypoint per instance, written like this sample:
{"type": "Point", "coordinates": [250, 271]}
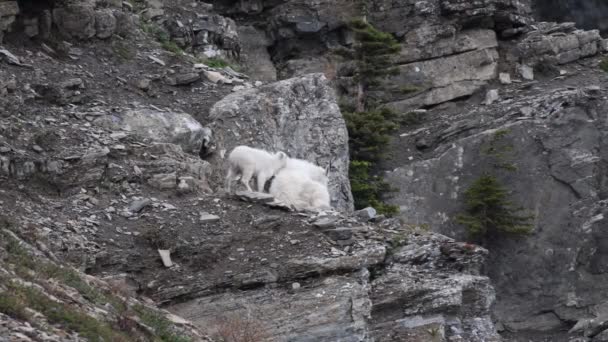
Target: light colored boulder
{"type": "Point", "coordinates": [169, 127]}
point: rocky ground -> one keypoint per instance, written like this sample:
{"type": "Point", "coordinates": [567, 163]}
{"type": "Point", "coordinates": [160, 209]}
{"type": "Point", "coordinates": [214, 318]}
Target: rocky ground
{"type": "Point", "coordinates": [101, 169]}
{"type": "Point", "coordinates": [102, 119]}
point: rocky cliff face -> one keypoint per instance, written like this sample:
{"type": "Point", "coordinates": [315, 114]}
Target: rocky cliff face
{"type": "Point", "coordinates": [100, 164]}
{"type": "Point", "coordinates": [556, 130]}
{"type": "Point", "coordinates": [588, 14]}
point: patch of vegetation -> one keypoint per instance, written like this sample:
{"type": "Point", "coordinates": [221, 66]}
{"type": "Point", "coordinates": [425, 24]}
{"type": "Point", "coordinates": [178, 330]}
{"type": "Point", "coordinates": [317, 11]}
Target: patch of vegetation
{"type": "Point", "coordinates": [124, 50]}
{"type": "Point", "coordinates": [13, 307]}
{"type": "Point", "coordinates": [160, 324]}
{"type": "Point", "coordinates": [238, 329]}
{"type": "Point", "coordinates": [409, 89]}
{"type": "Point", "coordinates": [604, 64]}
{"type": "Point", "coordinates": [215, 62]}
{"type": "Point", "coordinates": [399, 240]}
{"type": "Point", "coordinates": [369, 133]}
{"type": "Point", "coordinates": [61, 314]}
{"type": "Point", "coordinates": [488, 210]}
{"type": "Point", "coordinates": [411, 119]}
{"type": "Point", "coordinates": [28, 267]}
{"type": "Point", "coordinates": [171, 46]}
{"type": "Point", "coordinates": [372, 55]}
{"type": "Point", "coordinates": [368, 190]}
{"type": "Point", "coordinates": [157, 238]}
{"type": "Point", "coordinates": [500, 151]}
{"type": "Point", "coordinates": [369, 126]}
{"type": "Point", "coordinates": [435, 333]}
{"type": "Point", "coordinates": [162, 36]}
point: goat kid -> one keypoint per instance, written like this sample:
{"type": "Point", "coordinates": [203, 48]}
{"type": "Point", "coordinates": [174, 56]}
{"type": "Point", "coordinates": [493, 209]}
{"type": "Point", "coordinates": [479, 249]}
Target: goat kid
{"type": "Point", "coordinates": [248, 162]}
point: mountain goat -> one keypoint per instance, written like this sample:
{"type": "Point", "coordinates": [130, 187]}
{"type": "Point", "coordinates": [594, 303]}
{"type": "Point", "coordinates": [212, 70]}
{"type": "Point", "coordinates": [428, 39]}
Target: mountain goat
{"type": "Point", "coordinates": [315, 172]}
{"type": "Point", "coordinates": [248, 162]}
{"type": "Point", "coordinates": [295, 187]}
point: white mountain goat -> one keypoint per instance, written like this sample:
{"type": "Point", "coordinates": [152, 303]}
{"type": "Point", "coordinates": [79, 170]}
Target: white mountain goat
{"type": "Point", "coordinates": [296, 188]}
{"type": "Point", "coordinates": [315, 172]}
{"type": "Point", "coordinates": [248, 162]}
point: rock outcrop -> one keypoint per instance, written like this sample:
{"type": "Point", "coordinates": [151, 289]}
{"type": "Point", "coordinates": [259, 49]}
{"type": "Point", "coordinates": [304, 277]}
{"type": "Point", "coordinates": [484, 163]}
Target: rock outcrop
{"type": "Point", "coordinates": [299, 116]}
{"type": "Point", "coordinates": [430, 290]}
{"type": "Point", "coordinates": [8, 12]}
{"type": "Point", "coordinates": [557, 134]}
{"type": "Point", "coordinates": [587, 14]}
{"type": "Point", "coordinates": [157, 126]}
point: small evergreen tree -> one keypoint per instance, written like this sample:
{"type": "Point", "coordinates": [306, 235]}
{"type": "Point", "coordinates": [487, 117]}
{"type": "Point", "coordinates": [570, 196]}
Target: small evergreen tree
{"type": "Point", "coordinates": [367, 190]}
{"type": "Point", "coordinates": [369, 133]}
{"type": "Point", "coordinates": [488, 210]}
{"type": "Point", "coordinates": [372, 54]}
{"type": "Point", "coordinates": [369, 127]}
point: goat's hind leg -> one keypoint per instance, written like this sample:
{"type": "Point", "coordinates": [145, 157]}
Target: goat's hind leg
{"type": "Point", "coordinates": [246, 177]}
{"type": "Point", "coordinates": [261, 180]}
{"type": "Point", "coordinates": [229, 179]}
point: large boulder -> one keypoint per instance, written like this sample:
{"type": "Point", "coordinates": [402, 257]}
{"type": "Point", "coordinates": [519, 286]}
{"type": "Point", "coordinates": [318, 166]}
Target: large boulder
{"type": "Point", "coordinates": [440, 71]}
{"type": "Point", "coordinates": [158, 126]}
{"type": "Point", "coordinates": [8, 11]}
{"type": "Point", "coordinates": [75, 20]}
{"type": "Point", "coordinates": [299, 116]}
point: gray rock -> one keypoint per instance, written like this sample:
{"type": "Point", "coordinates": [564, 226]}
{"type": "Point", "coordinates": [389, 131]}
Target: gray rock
{"type": "Point", "coordinates": [170, 127]}
{"type": "Point", "coordinates": [164, 181]}
{"type": "Point", "coordinates": [9, 8]}
{"type": "Point", "coordinates": [31, 27]}
{"type": "Point", "coordinates": [449, 77]}
{"type": "Point", "coordinates": [255, 44]}
{"type": "Point", "coordinates": [138, 205]}
{"type": "Point", "coordinates": [491, 97]}
{"type": "Point", "coordinates": [339, 233]}
{"type": "Point", "coordinates": [326, 222]}
{"type": "Point", "coordinates": [75, 20]}
{"type": "Point", "coordinates": [556, 176]}
{"type": "Point", "coordinates": [558, 44]}
{"type": "Point", "coordinates": [208, 218]}
{"type": "Point", "coordinates": [601, 337]}
{"type": "Point", "coordinates": [321, 315]}
{"type": "Point", "coordinates": [526, 72]}
{"type": "Point", "coordinates": [603, 45]}
{"type": "Point", "coordinates": [504, 78]}
{"type": "Point", "coordinates": [9, 57]}
{"type": "Point", "coordinates": [299, 116]}
{"type": "Point", "coordinates": [105, 23]}
{"type": "Point", "coordinates": [216, 77]}
{"type": "Point", "coordinates": [183, 79]}
{"type": "Point", "coordinates": [366, 213]}
{"type": "Point", "coordinates": [255, 197]}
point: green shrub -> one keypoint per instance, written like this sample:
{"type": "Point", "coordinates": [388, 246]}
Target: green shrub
{"type": "Point", "coordinates": [368, 190]}
{"type": "Point", "coordinates": [58, 313]}
{"type": "Point", "coordinates": [162, 36]}
{"type": "Point", "coordinates": [13, 307]}
{"type": "Point", "coordinates": [409, 89]}
{"type": "Point", "coordinates": [171, 46]}
{"type": "Point", "coordinates": [411, 119]}
{"type": "Point", "coordinates": [160, 324]}
{"type": "Point", "coordinates": [369, 133]}
{"type": "Point", "coordinates": [369, 126]}
{"type": "Point", "coordinates": [216, 63]}
{"type": "Point", "coordinates": [488, 210]}
{"type": "Point", "coordinates": [124, 51]}
{"type": "Point", "coordinates": [604, 64]}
